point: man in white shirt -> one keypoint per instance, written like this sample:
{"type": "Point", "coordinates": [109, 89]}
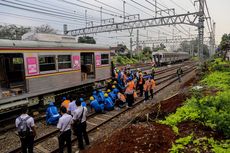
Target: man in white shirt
{"type": "Point", "coordinates": [79, 119]}
{"type": "Point", "coordinates": [26, 131]}
{"type": "Point", "coordinates": [72, 107]}
{"type": "Point", "coordinates": [64, 125]}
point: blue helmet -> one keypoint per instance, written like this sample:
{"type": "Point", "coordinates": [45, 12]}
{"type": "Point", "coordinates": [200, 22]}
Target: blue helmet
{"type": "Point", "coordinates": [64, 98]}
{"type": "Point", "coordinates": [94, 92]}
{"type": "Point", "coordinates": [81, 99]}
{"type": "Point", "coordinates": [116, 90]}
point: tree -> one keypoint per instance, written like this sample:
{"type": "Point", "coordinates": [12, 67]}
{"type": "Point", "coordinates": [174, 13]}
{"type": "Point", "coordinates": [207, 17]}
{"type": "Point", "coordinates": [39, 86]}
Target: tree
{"type": "Point", "coordinates": [224, 46]}
{"type": "Point", "coordinates": [13, 32]}
{"type": "Point", "coordinates": [192, 47]}
{"type": "Point", "coordinates": [87, 40]}
{"type": "Point", "coordinates": [146, 50]}
{"type": "Point", "coordinates": [45, 28]}
{"type": "Point", "coordinates": [159, 47]}
{"type": "Point", "coordinates": [121, 48]}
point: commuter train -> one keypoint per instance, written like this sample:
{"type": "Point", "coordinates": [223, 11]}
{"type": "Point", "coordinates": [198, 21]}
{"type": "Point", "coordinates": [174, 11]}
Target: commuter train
{"type": "Point", "coordinates": [164, 57]}
{"type": "Point", "coordinates": [29, 69]}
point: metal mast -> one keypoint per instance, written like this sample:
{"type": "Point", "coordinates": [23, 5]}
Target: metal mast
{"type": "Point", "coordinates": [201, 29]}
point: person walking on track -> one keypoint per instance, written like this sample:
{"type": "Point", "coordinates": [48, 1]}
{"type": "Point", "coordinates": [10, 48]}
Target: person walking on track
{"type": "Point", "coordinates": [179, 73]}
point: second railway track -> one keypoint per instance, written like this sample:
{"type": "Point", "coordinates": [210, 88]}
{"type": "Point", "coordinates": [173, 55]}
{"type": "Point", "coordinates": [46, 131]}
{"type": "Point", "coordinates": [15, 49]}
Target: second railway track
{"type": "Point", "coordinates": [96, 120]}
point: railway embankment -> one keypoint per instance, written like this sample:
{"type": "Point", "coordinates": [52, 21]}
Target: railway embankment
{"type": "Point", "coordinates": [195, 119]}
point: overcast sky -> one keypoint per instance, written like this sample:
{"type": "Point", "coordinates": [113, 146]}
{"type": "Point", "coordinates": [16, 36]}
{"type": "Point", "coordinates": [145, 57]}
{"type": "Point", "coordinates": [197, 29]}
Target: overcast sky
{"type": "Point", "coordinates": [75, 13]}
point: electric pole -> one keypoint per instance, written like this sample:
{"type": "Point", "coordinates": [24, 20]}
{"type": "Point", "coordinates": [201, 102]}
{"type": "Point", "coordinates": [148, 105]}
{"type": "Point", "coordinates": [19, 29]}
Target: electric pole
{"type": "Point", "coordinates": [201, 29]}
{"type": "Point", "coordinates": [137, 45]}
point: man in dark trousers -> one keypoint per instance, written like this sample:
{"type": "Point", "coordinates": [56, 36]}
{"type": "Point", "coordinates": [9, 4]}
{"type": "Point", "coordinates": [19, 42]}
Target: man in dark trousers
{"type": "Point", "coordinates": [64, 125]}
{"type": "Point", "coordinates": [179, 73]}
{"type": "Point", "coordinates": [79, 125]}
{"type": "Point", "coordinates": [26, 131]}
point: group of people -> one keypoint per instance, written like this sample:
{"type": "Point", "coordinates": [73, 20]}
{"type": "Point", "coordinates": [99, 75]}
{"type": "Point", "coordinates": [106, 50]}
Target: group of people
{"type": "Point", "coordinates": [131, 81]}
{"type": "Point", "coordinates": [72, 117]}
{"type": "Point", "coordinates": [120, 92]}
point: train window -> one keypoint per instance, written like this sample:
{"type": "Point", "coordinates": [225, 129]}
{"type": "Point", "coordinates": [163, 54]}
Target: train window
{"type": "Point", "coordinates": [47, 63]}
{"type": "Point", "coordinates": [64, 61]}
{"type": "Point", "coordinates": [104, 59]}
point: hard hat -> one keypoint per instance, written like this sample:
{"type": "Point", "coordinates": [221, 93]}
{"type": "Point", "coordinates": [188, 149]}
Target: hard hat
{"type": "Point", "coordinates": [113, 86]}
{"type": "Point", "coordinates": [105, 95]}
{"type": "Point", "coordinates": [64, 98]}
{"type": "Point", "coordinates": [91, 98]}
{"type": "Point", "coordinates": [116, 90]}
{"type": "Point", "coordinates": [115, 82]}
{"type": "Point", "coordinates": [108, 90]}
{"type": "Point", "coordinates": [81, 99]}
{"type": "Point", "coordinates": [94, 92]}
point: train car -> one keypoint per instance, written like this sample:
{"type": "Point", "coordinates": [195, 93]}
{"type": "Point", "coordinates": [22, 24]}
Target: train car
{"type": "Point", "coordinates": [32, 68]}
{"type": "Point", "coordinates": [164, 57]}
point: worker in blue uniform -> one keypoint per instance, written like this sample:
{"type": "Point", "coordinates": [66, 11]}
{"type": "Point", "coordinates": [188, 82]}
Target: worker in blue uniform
{"type": "Point", "coordinates": [52, 115]}
{"type": "Point", "coordinates": [109, 105]}
{"type": "Point", "coordinates": [95, 96]}
{"type": "Point", "coordinates": [101, 97]}
{"type": "Point", "coordinates": [115, 90]}
{"type": "Point", "coordinates": [111, 95]}
{"type": "Point", "coordinates": [98, 108]}
{"type": "Point", "coordinates": [83, 103]}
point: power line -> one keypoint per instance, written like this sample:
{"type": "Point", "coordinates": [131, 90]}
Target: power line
{"type": "Point", "coordinates": [34, 18]}
{"type": "Point", "coordinates": [42, 2]}
{"type": "Point", "coordinates": [178, 5]}
{"type": "Point", "coordinates": [109, 6]}
{"type": "Point", "coordinates": [96, 6]}
{"type": "Point", "coordinates": [64, 1]}
{"type": "Point", "coordinates": [37, 10]}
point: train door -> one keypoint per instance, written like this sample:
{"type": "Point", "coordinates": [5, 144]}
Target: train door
{"type": "Point", "coordinates": [87, 66]}
{"type": "Point", "coordinates": [12, 72]}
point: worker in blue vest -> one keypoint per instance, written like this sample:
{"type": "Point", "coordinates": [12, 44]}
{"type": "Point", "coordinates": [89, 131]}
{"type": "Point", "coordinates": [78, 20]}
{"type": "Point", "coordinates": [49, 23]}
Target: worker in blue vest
{"type": "Point", "coordinates": [83, 103]}
{"type": "Point", "coordinates": [98, 108]}
{"type": "Point", "coordinates": [101, 97]}
{"type": "Point", "coordinates": [109, 105]}
{"type": "Point", "coordinates": [52, 115]}
{"type": "Point", "coordinates": [111, 95]}
{"type": "Point", "coordinates": [115, 90]}
{"type": "Point", "coordinates": [95, 96]}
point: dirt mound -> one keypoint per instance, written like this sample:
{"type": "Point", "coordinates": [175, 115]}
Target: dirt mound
{"type": "Point", "coordinates": [164, 108]}
{"type": "Point", "coordinates": [136, 139]}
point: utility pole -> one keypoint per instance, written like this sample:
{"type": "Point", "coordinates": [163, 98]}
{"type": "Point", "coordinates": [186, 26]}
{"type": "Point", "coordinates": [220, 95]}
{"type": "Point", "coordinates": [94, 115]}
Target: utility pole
{"type": "Point", "coordinates": [190, 48]}
{"type": "Point", "coordinates": [131, 46]}
{"type": "Point", "coordinates": [101, 14]}
{"type": "Point", "coordinates": [85, 18]}
{"type": "Point", "coordinates": [173, 39]}
{"type": "Point", "coordinates": [124, 11]}
{"type": "Point", "coordinates": [213, 38]}
{"type": "Point", "coordinates": [137, 45]}
{"type": "Point", "coordinates": [201, 29]}
{"type": "Point", "coordinates": [155, 8]}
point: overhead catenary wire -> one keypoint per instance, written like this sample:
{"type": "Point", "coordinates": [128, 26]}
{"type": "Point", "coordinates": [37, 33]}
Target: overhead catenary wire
{"type": "Point", "coordinates": [36, 10]}
{"type": "Point", "coordinates": [64, 9]}
{"type": "Point", "coordinates": [71, 3]}
{"type": "Point", "coordinates": [37, 18]}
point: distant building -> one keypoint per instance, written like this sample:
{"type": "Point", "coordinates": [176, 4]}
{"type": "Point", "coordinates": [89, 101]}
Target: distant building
{"type": "Point", "coordinates": [48, 37]}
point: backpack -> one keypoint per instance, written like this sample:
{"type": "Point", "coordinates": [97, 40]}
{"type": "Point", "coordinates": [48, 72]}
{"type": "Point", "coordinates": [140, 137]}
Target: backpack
{"type": "Point", "coordinates": [23, 129]}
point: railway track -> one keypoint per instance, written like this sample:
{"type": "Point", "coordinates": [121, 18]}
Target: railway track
{"type": "Point", "coordinates": [167, 71]}
{"type": "Point", "coordinates": [96, 120]}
